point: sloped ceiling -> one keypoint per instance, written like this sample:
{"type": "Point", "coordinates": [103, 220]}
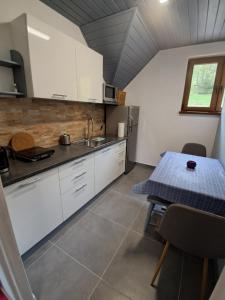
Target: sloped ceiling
{"type": "Point", "coordinates": [130, 32]}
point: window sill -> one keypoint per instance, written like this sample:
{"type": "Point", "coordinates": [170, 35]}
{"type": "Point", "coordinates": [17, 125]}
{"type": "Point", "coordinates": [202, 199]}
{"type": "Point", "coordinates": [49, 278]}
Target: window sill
{"type": "Point", "coordinates": [194, 112]}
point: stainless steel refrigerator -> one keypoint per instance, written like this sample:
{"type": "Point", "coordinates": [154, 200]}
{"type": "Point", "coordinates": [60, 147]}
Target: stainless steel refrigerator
{"type": "Point", "coordinates": [129, 115]}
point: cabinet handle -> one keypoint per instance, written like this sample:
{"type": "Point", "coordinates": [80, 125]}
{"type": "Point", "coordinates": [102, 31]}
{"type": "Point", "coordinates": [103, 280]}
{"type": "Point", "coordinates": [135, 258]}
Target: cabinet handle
{"type": "Point", "coordinates": [29, 182]}
{"type": "Point", "coordinates": [92, 99]}
{"type": "Point", "coordinates": [80, 188]}
{"type": "Point", "coordinates": [80, 175]}
{"type": "Point", "coordinates": [104, 151]}
{"type": "Point", "coordinates": [79, 162]}
{"type": "Point", "coordinates": [59, 95]}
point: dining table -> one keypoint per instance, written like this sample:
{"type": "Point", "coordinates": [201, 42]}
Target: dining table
{"type": "Point", "coordinates": [172, 181]}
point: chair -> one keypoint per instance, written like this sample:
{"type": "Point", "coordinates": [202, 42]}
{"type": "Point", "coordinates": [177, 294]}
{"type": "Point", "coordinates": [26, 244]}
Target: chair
{"type": "Point", "coordinates": [194, 149]}
{"type": "Point", "coordinates": [196, 232]}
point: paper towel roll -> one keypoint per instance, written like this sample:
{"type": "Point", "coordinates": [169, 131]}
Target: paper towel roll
{"type": "Point", "coordinates": [121, 127]}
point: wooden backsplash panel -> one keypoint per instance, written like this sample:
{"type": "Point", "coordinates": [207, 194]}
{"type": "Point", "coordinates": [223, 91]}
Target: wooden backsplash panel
{"type": "Point", "coordinates": [46, 120]}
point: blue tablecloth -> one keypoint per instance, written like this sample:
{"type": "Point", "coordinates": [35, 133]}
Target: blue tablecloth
{"type": "Point", "coordinates": [202, 188]}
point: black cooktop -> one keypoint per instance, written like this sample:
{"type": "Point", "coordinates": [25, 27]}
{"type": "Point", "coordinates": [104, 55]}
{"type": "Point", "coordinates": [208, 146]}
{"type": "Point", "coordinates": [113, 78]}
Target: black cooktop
{"type": "Point", "coordinates": [34, 154]}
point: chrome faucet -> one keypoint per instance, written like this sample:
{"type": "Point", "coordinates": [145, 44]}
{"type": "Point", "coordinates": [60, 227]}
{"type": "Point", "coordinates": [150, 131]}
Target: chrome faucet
{"type": "Point", "coordinates": [90, 121]}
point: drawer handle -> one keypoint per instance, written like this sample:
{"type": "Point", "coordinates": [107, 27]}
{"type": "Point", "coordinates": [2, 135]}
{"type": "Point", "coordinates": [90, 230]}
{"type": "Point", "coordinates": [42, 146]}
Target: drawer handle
{"type": "Point", "coordinates": [80, 188]}
{"type": "Point", "coordinates": [29, 182]}
{"type": "Point", "coordinates": [79, 162]}
{"type": "Point", "coordinates": [104, 151]}
{"type": "Point", "coordinates": [92, 100]}
{"type": "Point", "coordinates": [80, 175]}
{"type": "Point", "coordinates": [59, 95]}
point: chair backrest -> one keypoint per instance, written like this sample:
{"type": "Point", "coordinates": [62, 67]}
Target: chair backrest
{"type": "Point", "coordinates": [194, 149]}
{"type": "Point", "coordinates": [194, 231]}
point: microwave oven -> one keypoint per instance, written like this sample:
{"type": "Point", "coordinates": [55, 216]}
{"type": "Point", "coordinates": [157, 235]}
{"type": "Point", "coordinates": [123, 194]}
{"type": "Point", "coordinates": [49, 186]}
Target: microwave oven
{"type": "Point", "coordinates": [109, 94]}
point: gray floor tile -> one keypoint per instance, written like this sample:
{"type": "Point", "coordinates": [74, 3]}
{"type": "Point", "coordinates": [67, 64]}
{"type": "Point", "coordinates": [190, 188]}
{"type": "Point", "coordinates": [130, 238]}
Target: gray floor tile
{"type": "Point", "coordinates": [118, 207]}
{"type": "Point", "coordinates": [92, 241]}
{"type": "Point", "coordinates": [37, 251]}
{"type": "Point", "coordinates": [105, 292]}
{"type": "Point", "coordinates": [132, 268]}
{"type": "Point", "coordinates": [92, 237]}
{"type": "Point", "coordinates": [139, 223]}
{"type": "Point", "coordinates": [192, 277]}
{"type": "Point", "coordinates": [125, 184]}
{"type": "Point", "coordinates": [56, 276]}
{"type": "Point", "coordinates": [141, 172]}
{"type": "Point", "coordinates": [168, 283]}
{"type": "Point", "coordinates": [67, 225]}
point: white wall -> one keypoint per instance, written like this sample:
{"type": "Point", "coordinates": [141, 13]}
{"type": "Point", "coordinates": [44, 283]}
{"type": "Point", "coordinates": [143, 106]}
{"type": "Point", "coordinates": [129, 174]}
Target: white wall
{"type": "Point", "coordinates": [219, 145]}
{"type": "Point", "coordinates": [10, 9]}
{"type": "Point", "coordinates": [158, 90]}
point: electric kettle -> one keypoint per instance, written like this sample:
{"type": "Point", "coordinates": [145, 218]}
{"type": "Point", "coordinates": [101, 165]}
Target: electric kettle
{"type": "Point", "coordinates": [64, 139]}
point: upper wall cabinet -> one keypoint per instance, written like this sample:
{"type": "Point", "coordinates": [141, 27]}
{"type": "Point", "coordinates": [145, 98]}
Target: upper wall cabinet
{"type": "Point", "coordinates": [89, 74]}
{"type": "Point", "coordinates": [49, 58]}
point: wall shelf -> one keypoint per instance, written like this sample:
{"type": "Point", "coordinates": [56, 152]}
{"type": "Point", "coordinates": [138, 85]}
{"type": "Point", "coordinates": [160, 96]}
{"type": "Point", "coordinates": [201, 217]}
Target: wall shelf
{"type": "Point", "coordinates": [5, 93]}
{"type": "Point", "coordinates": [9, 63]}
{"type": "Point", "coordinates": [17, 66]}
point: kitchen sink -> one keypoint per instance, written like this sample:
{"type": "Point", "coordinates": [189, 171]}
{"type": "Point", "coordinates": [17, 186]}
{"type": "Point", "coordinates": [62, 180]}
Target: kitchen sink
{"type": "Point", "coordinates": [99, 139]}
{"type": "Point", "coordinates": [95, 142]}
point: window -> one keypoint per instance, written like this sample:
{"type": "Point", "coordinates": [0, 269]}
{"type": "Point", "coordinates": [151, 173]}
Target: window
{"type": "Point", "coordinates": [204, 86]}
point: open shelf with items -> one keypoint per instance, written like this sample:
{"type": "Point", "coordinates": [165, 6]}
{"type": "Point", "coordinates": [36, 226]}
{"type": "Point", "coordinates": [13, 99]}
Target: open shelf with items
{"type": "Point", "coordinates": [17, 65]}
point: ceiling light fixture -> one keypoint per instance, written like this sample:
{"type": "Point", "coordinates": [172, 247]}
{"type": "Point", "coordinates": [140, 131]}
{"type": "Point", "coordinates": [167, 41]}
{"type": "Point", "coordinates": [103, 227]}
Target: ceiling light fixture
{"type": "Point", "coordinates": [163, 1]}
{"type": "Point", "coordinates": [38, 33]}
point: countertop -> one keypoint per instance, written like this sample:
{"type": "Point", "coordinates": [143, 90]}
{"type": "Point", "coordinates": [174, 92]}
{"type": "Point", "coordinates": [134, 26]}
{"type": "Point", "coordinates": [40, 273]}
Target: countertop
{"type": "Point", "coordinates": [19, 170]}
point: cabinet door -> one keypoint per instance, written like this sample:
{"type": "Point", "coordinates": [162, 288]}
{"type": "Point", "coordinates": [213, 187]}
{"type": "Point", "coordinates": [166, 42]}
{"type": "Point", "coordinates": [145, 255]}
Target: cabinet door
{"type": "Point", "coordinates": [53, 62]}
{"type": "Point", "coordinates": [104, 161]}
{"type": "Point", "coordinates": [89, 74]}
{"type": "Point", "coordinates": [34, 208]}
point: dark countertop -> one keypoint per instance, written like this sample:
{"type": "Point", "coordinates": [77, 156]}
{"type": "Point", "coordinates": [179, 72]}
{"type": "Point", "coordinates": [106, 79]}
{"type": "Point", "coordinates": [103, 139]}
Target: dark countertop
{"type": "Point", "coordinates": [19, 170]}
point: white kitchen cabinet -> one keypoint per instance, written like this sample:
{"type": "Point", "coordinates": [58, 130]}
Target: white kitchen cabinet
{"type": "Point", "coordinates": [109, 164]}
{"type": "Point", "coordinates": [89, 74]}
{"type": "Point", "coordinates": [34, 207]}
{"type": "Point", "coordinates": [49, 58]}
{"type": "Point", "coordinates": [39, 204]}
{"type": "Point", "coordinates": [76, 184]}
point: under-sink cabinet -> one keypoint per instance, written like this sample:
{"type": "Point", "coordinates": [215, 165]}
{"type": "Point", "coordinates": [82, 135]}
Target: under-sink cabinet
{"type": "Point", "coordinates": [39, 204]}
{"type": "Point", "coordinates": [34, 207]}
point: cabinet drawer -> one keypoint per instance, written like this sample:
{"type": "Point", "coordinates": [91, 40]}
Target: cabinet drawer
{"type": "Point", "coordinates": [76, 167]}
{"type": "Point", "coordinates": [70, 182]}
{"type": "Point", "coordinates": [76, 197]}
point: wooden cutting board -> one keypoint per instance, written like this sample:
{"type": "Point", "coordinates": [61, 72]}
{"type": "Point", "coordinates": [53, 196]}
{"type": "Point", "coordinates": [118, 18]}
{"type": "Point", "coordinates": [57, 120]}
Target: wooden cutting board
{"type": "Point", "coordinates": [21, 141]}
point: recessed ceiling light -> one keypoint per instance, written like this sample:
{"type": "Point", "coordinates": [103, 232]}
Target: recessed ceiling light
{"type": "Point", "coordinates": [163, 1]}
{"type": "Point", "coordinates": [38, 33]}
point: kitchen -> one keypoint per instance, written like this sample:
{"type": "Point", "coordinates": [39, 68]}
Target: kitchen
{"type": "Point", "coordinates": [80, 129]}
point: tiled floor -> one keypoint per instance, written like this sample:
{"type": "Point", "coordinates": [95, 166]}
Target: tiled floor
{"type": "Point", "coordinates": [102, 254]}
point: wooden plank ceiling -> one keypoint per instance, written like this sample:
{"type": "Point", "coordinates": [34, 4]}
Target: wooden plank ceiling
{"type": "Point", "coordinates": [130, 32]}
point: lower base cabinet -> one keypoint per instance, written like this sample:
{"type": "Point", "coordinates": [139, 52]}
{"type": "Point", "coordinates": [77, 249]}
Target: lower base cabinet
{"type": "Point", "coordinates": [109, 164]}
{"type": "Point", "coordinates": [76, 184]}
{"type": "Point", "coordinates": [35, 208]}
{"type": "Point", "coordinates": [39, 204]}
